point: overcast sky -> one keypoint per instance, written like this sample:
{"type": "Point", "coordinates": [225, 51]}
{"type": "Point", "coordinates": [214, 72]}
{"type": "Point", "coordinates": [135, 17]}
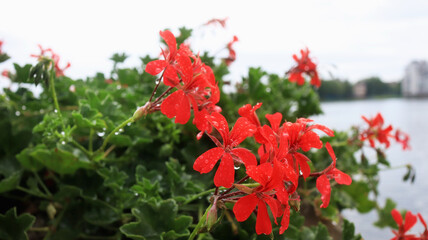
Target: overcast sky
{"type": "Point", "coordinates": [349, 39]}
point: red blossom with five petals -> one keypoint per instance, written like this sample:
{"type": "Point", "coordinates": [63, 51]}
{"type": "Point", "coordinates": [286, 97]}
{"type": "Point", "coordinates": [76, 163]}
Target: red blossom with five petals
{"type": "Point", "coordinates": [269, 176]}
{"type": "Point", "coordinates": [376, 131]}
{"type": "Point", "coordinates": [227, 151]}
{"type": "Point", "coordinates": [55, 57]}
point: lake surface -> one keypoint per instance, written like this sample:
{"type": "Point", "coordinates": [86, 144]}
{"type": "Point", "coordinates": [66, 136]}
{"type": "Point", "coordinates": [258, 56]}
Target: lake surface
{"type": "Point", "coordinates": [410, 116]}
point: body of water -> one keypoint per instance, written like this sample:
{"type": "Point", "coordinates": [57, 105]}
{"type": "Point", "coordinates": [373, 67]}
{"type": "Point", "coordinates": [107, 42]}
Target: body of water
{"type": "Point", "coordinates": [408, 115]}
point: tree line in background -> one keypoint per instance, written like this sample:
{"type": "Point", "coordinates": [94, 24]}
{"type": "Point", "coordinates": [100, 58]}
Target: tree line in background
{"type": "Point", "coordinates": [372, 87]}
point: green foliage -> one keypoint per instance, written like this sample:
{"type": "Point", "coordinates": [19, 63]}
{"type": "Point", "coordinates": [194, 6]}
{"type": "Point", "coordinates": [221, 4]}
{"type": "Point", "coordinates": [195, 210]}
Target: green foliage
{"type": "Point", "coordinates": [13, 227]}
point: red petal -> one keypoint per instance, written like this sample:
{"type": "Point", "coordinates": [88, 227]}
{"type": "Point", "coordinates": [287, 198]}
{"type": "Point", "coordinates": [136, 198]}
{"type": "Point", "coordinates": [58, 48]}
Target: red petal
{"type": "Point", "coordinates": [170, 77]}
{"type": "Point", "coordinates": [409, 221]}
{"type": "Point", "coordinates": [323, 186]}
{"type": "Point", "coordinates": [207, 160]}
{"type": "Point", "coordinates": [169, 39]}
{"type": "Point", "coordinates": [185, 68]}
{"type": "Point", "coordinates": [303, 163]}
{"type": "Point", "coordinates": [397, 217]}
{"type": "Point", "coordinates": [225, 174]}
{"type": "Point", "coordinates": [275, 120]}
{"type": "Point", "coordinates": [422, 220]}
{"type": "Point", "coordinates": [244, 207]}
{"type": "Point", "coordinates": [155, 67]}
{"type": "Point", "coordinates": [340, 177]}
{"type": "Point", "coordinates": [177, 105]}
{"type": "Point", "coordinates": [241, 130]}
{"type": "Point", "coordinates": [285, 220]}
{"type": "Point", "coordinates": [263, 224]}
{"type": "Point", "coordinates": [261, 173]}
{"type": "Point", "coordinates": [245, 156]}
{"type": "Point", "coordinates": [220, 123]}
{"type": "Point", "coordinates": [323, 128]}
{"type": "Point", "coordinates": [331, 152]}
{"type": "Point", "coordinates": [273, 205]}
{"type": "Point", "coordinates": [310, 140]}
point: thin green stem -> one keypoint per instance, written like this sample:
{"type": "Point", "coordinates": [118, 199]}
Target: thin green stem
{"type": "Point", "coordinates": [200, 224]}
{"type": "Point", "coordinates": [83, 149]}
{"type": "Point", "coordinates": [42, 184]}
{"type": "Point", "coordinates": [28, 191]}
{"type": "Point", "coordinates": [52, 86]}
{"type": "Point", "coordinates": [39, 229]}
{"type": "Point", "coordinates": [122, 125]}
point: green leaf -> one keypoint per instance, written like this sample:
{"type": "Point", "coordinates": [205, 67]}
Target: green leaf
{"type": "Point", "coordinates": [359, 192]}
{"type": "Point", "coordinates": [22, 73]}
{"type": "Point", "coordinates": [100, 213]}
{"type": "Point", "coordinates": [10, 182]}
{"type": "Point", "coordinates": [119, 58]}
{"type": "Point", "coordinates": [348, 231]}
{"type": "Point", "coordinates": [157, 220]}
{"type": "Point", "coordinates": [381, 158]}
{"type": "Point", "coordinates": [385, 218]}
{"type": "Point", "coordinates": [27, 161]}
{"type": "Point", "coordinates": [60, 161]}
{"type": "Point", "coordinates": [13, 227]}
{"type": "Point", "coordinates": [113, 177]}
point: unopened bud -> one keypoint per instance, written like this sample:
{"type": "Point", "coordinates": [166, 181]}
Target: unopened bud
{"type": "Point", "coordinates": [142, 111]}
{"type": "Point", "coordinates": [212, 216]}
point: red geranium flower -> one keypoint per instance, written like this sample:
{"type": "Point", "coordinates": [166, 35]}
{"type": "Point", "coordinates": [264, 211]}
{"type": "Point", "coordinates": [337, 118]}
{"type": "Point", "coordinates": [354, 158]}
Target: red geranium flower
{"type": "Point", "coordinates": [323, 181]}
{"type": "Point", "coordinates": [269, 177]}
{"type": "Point", "coordinates": [409, 222]}
{"type": "Point", "coordinates": [376, 131]}
{"type": "Point", "coordinates": [1, 45]}
{"type": "Point", "coordinates": [157, 66]}
{"type": "Point", "coordinates": [304, 65]}
{"type": "Point", "coordinates": [227, 151]}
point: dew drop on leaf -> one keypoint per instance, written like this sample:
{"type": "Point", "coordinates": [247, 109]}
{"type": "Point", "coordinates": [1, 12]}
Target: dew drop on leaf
{"type": "Point", "coordinates": [116, 133]}
{"type": "Point", "coordinates": [24, 107]}
{"type": "Point", "coordinates": [55, 111]}
{"type": "Point", "coordinates": [17, 113]}
{"type": "Point", "coordinates": [101, 134]}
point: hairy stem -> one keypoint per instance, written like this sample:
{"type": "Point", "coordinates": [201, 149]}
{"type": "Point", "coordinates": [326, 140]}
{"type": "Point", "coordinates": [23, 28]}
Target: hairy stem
{"type": "Point", "coordinates": [200, 223]}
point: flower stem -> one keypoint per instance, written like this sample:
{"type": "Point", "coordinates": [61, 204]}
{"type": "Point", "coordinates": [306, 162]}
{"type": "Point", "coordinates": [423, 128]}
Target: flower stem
{"type": "Point", "coordinates": [55, 99]}
{"type": "Point", "coordinates": [200, 224]}
{"type": "Point", "coordinates": [42, 184]}
{"type": "Point", "coordinates": [122, 125]}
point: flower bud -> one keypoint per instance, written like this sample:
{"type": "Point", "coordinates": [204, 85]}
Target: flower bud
{"type": "Point", "coordinates": [212, 216]}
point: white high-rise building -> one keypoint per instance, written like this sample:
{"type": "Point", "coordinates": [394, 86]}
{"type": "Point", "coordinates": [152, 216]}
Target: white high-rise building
{"type": "Point", "coordinates": [415, 82]}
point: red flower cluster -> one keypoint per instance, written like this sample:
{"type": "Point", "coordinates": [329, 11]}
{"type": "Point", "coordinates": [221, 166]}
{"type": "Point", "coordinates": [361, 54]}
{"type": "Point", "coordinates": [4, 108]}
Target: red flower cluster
{"type": "Point", "coordinates": [403, 227]}
{"type": "Point", "coordinates": [194, 81]}
{"type": "Point", "coordinates": [5, 73]}
{"type": "Point", "coordinates": [282, 145]}
{"type": "Point", "coordinates": [55, 57]}
{"type": "Point", "coordinates": [376, 131]}
{"type": "Point", "coordinates": [281, 164]}
{"type": "Point", "coordinates": [304, 65]}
